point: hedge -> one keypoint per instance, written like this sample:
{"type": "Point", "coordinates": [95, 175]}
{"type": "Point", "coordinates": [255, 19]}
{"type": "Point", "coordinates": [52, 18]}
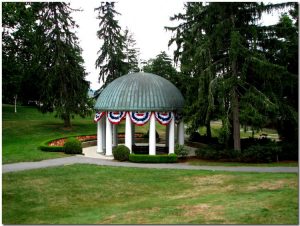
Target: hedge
{"type": "Point", "coordinates": [139, 158]}
{"type": "Point", "coordinates": [45, 147]}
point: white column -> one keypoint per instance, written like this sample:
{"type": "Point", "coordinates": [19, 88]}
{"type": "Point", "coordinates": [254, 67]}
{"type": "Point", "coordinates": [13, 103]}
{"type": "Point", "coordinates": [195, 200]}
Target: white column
{"type": "Point", "coordinates": [171, 136]}
{"type": "Point", "coordinates": [152, 137]}
{"type": "Point", "coordinates": [167, 135]}
{"type": "Point", "coordinates": [108, 138]}
{"type": "Point", "coordinates": [181, 133]}
{"type": "Point", "coordinates": [128, 133]}
{"type": "Point", "coordinates": [99, 136]}
{"type": "Point", "coordinates": [133, 133]}
{"type": "Point", "coordinates": [115, 135]}
{"type": "Point", "coordinates": [103, 126]}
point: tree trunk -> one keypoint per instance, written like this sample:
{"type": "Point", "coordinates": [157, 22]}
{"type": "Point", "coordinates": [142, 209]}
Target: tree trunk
{"type": "Point", "coordinates": [208, 130]}
{"type": "Point", "coordinates": [236, 122]}
{"type": "Point", "coordinates": [15, 97]}
{"type": "Point", "coordinates": [67, 121]}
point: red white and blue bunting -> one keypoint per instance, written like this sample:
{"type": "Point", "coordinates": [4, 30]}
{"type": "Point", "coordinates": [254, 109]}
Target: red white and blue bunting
{"type": "Point", "coordinates": [98, 116]}
{"type": "Point", "coordinates": [140, 118]}
{"type": "Point", "coordinates": [115, 117]}
{"type": "Point", "coordinates": [164, 118]}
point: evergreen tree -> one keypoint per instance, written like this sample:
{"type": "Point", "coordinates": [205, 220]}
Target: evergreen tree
{"type": "Point", "coordinates": [18, 52]}
{"type": "Point", "coordinates": [218, 48]}
{"type": "Point", "coordinates": [112, 58]}
{"type": "Point", "coordinates": [162, 66]}
{"type": "Point", "coordinates": [64, 88]}
{"type": "Point", "coordinates": [131, 52]}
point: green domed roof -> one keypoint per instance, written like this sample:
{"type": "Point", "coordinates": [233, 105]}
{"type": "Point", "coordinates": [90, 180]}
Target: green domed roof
{"type": "Point", "coordinates": [140, 92]}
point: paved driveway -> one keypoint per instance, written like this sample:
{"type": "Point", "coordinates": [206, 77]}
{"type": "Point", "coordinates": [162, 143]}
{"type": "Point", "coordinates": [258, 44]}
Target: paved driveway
{"type": "Point", "coordinates": [108, 162]}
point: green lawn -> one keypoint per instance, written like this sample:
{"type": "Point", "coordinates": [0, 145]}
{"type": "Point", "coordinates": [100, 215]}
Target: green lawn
{"type": "Point", "coordinates": [24, 131]}
{"type": "Point", "coordinates": [216, 125]}
{"type": "Point", "coordinates": [88, 194]}
{"type": "Point", "coordinates": [201, 162]}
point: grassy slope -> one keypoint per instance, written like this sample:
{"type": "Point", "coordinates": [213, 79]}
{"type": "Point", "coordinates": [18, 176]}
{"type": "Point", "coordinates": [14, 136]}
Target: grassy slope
{"type": "Point", "coordinates": [24, 131]}
{"type": "Point", "coordinates": [87, 194]}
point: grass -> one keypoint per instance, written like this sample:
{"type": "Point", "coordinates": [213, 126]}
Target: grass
{"type": "Point", "coordinates": [88, 194]}
{"type": "Point", "coordinates": [245, 133]}
{"type": "Point", "coordinates": [24, 131]}
{"type": "Point", "coordinates": [201, 162]}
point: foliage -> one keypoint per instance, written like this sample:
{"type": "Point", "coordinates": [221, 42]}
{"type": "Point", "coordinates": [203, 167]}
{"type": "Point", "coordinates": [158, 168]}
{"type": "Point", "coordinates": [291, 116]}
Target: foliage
{"type": "Point", "coordinates": [216, 153]}
{"type": "Point", "coordinates": [289, 150]}
{"type": "Point", "coordinates": [254, 151]}
{"type": "Point", "coordinates": [261, 153]}
{"type": "Point", "coordinates": [139, 158]}
{"type": "Point", "coordinates": [162, 65]}
{"type": "Point", "coordinates": [19, 75]}
{"type": "Point", "coordinates": [131, 52]}
{"type": "Point", "coordinates": [72, 146]}
{"type": "Point", "coordinates": [195, 137]}
{"type": "Point", "coordinates": [64, 86]}
{"type": "Point", "coordinates": [111, 59]}
{"type": "Point", "coordinates": [181, 151]}
{"type": "Point", "coordinates": [121, 153]}
{"type": "Point", "coordinates": [223, 54]}
{"type": "Point", "coordinates": [40, 38]}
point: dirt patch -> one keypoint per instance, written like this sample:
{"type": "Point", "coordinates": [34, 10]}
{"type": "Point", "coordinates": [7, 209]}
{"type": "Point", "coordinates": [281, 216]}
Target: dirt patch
{"type": "Point", "coordinates": [209, 213]}
{"type": "Point", "coordinates": [273, 185]}
{"type": "Point", "coordinates": [208, 180]}
{"type": "Point", "coordinates": [138, 217]}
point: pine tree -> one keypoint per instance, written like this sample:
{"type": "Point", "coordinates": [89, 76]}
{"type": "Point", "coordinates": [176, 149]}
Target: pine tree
{"type": "Point", "coordinates": [111, 59]}
{"type": "Point", "coordinates": [218, 48]}
{"type": "Point", "coordinates": [131, 52]}
{"type": "Point", "coordinates": [64, 88]}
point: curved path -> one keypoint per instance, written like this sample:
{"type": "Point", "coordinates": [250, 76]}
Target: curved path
{"type": "Point", "coordinates": [106, 162]}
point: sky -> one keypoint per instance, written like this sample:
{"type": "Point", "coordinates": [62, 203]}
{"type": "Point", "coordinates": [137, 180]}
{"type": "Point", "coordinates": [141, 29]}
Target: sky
{"type": "Point", "coordinates": [144, 18]}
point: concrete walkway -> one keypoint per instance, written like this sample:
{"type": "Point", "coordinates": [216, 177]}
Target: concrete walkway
{"type": "Point", "coordinates": [104, 162]}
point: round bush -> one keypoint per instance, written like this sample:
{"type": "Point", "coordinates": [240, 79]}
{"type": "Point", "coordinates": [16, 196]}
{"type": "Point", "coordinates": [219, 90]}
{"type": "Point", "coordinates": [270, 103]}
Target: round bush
{"type": "Point", "coordinates": [121, 153]}
{"type": "Point", "coordinates": [72, 146]}
{"type": "Point", "coordinates": [181, 151]}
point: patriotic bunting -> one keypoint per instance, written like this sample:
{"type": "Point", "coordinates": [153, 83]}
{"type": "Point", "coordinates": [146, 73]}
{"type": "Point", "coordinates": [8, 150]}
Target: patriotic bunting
{"type": "Point", "coordinates": [116, 117]}
{"type": "Point", "coordinates": [140, 118]}
{"type": "Point", "coordinates": [98, 116]}
{"type": "Point", "coordinates": [164, 118]}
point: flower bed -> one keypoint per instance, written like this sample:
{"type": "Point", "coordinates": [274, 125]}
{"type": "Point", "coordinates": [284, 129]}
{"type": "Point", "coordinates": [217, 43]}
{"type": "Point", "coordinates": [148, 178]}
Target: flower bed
{"type": "Point", "coordinates": [60, 142]}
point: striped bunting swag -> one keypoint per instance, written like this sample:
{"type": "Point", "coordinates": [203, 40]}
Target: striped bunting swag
{"type": "Point", "coordinates": [140, 118]}
{"type": "Point", "coordinates": [98, 116]}
{"type": "Point", "coordinates": [164, 118]}
{"type": "Point", "coordinates": [115, 117]}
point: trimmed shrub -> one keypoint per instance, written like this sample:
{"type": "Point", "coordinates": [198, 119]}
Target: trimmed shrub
{"type": "Point", "coordinates": [207, 152]}
{"type": "Point", "coordinates": [171, 158]}
{"type": "Point", "coordinates": [72, 146]}
{"type": "Point", "coordinates": [261, 153]}
{"type": "Point", "coordinates": [45, 147]}
{"type": "Point", "coordinates": [181, 151]}
{"type": "Point", "coordinates": [215, 152]}
{"type": "Point", "coordinates": [121, 153]}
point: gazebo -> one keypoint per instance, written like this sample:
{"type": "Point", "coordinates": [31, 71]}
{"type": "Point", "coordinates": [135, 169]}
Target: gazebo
{"type": "Point", "coordinates": [138, 98]}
